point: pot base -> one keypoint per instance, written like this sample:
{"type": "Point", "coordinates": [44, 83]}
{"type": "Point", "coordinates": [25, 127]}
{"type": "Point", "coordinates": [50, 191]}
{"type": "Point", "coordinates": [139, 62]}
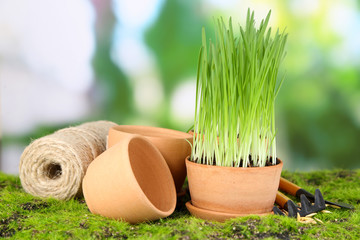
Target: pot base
{"type": "Point", "coordinates": [215, 216]}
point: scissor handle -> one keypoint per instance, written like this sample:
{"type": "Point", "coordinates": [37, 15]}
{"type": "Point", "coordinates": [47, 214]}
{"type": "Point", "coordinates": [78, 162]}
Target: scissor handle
{"type": "Point", "coordinates": [288, 186]}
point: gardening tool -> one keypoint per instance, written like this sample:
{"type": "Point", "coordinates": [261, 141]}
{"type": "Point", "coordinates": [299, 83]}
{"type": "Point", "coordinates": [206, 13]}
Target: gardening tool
{"type": "Point", "coordinates": [285, 203]}
{"type": "Point", "coordinates": [306, 206]}
{"type": "Point", "coordinates": [297, 191]}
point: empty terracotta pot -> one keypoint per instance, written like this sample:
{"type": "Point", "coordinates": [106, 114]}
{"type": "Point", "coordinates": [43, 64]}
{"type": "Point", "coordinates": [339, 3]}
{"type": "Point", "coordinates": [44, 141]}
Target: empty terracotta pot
{"type": "Point", "coordinates": [130, 181]}
{"type": "Point", "coordinates": [233, 190]}
{"type": "Point", "coordinates": [172, 144]}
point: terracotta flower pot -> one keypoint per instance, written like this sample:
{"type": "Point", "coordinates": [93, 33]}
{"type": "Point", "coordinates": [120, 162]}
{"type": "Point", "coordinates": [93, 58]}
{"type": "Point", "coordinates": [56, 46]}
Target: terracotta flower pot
{"type": "Point", "coordinates": [130, 181]}
{"type": "Point", "coordinates": [233, 191]}
{"type": "Point", "coordinates": [172, 144]}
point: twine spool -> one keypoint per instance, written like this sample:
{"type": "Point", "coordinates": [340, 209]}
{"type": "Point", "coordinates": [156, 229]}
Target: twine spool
{"type": "Point", "coordinates": [54, 165]}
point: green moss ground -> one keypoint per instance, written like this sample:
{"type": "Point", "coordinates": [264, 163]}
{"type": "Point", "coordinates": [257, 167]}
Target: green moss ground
{"type": "Point", "coordinates": [23, 216]}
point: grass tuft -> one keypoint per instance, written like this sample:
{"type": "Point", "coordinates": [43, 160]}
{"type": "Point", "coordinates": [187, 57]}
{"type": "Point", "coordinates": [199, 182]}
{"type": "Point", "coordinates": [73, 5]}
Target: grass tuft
{"type": "Point", "coordinates": [237, 83]}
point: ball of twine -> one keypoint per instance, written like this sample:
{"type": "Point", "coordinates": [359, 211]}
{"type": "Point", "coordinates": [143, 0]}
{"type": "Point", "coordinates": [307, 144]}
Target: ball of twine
{"type": "Point", "coordinates": [54, 165]}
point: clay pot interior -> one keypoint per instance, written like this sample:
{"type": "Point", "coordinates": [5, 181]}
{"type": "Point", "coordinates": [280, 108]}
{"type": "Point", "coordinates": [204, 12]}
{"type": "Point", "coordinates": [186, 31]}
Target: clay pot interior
{"type": "Point", "coordinates": [130, 181]}
{"type": "Point", "coordinates": [150, 175]}
{"type": "Point", "coordinates": [173, 145]}
{"type": "Point", "coordinates": [147, 132]}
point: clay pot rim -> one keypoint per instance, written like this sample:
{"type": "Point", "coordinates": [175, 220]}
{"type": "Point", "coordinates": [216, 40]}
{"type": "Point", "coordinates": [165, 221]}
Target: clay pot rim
{"type": "Point", "coordinates": [139, 187]}
{"type": "Point", "coordinates": [153, 132]}
{"type": "Point", "coordinates": [233, 168]}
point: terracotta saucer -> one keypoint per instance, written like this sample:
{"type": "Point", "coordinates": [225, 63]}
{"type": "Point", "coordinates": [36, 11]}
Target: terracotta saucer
{"type": "Point", "coordinates": [215, 216]}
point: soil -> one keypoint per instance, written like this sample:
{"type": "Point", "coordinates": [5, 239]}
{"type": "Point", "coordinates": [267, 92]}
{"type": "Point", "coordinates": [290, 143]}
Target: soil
{"type": "Point", "coordinates": [84, 225]}
{"type": "Point", "coordinates": [6, 230]}
{"type": "Point", "coordinates": [250, 164]}
{"type": "Point", "coordinates": [250, 230]}
{"type": "Point", "coordinates": [32, 206]}
{"type": "Point", "coordinates": [9, 184]}
{"type": "Point", "coordinates": [108, 232]}
{"type": "Point", "coordinates": [345, 173]}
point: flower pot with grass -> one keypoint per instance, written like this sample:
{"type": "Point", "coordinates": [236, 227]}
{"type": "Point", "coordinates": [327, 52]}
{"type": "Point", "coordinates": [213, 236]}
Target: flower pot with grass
{"type": "Point", "coordinates": [233, 169]}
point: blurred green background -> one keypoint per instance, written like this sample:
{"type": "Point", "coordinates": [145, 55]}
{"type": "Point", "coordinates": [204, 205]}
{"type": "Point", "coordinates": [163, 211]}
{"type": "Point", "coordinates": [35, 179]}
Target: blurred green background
{"type": "Point", "coordinates": [144, 61]}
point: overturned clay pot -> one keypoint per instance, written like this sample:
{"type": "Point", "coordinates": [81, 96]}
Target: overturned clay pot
{"type": "Point", "coordinates": [233, 191]}
{"type": "Point", "coordinates": [173, 145]}
{"type": "Point", "coordinates": [130, 181]}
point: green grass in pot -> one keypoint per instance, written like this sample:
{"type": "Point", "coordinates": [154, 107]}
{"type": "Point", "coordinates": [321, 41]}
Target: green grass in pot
{"type": "Point", "coordinates": [237, 83]}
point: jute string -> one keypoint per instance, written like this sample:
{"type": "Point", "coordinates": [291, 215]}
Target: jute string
{"type": "Point", "coordinates": [54, 165]}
